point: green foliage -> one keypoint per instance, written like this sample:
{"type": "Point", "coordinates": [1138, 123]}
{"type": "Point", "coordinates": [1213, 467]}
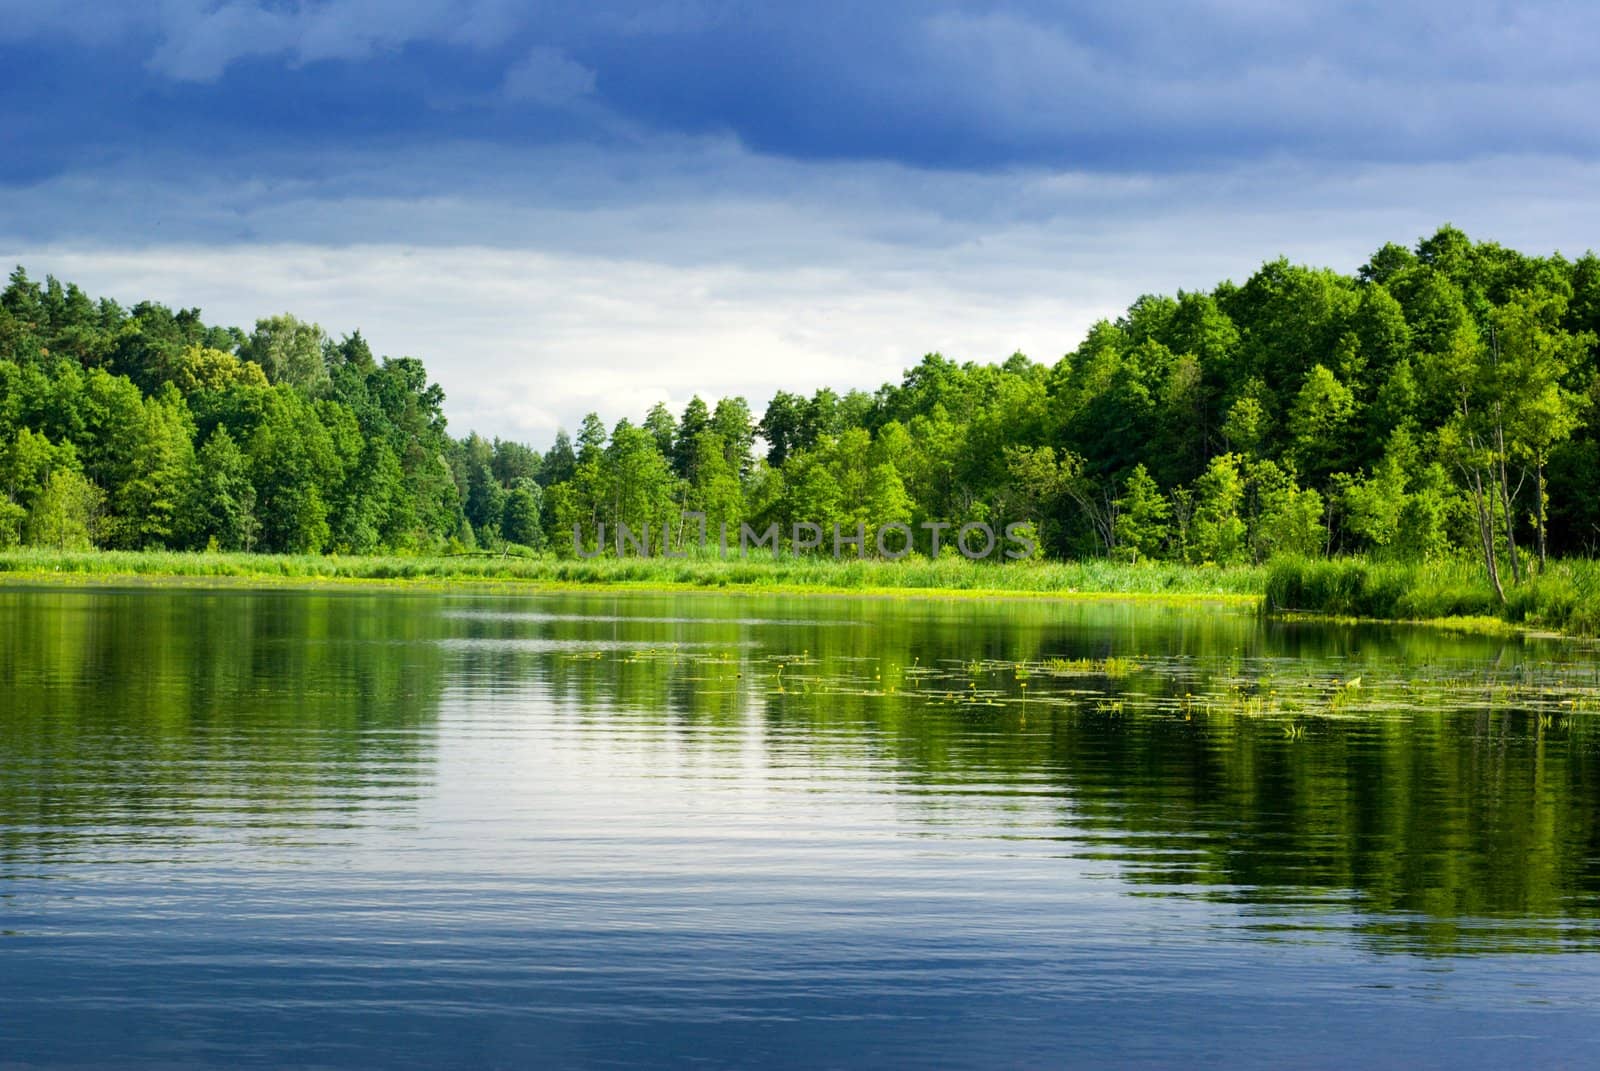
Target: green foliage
{"type": "Point", "coordinates": [221, 510]}
{"type": "Point", "coordinates": [177, 424]}
{"type": "Point", "coordinates": [1142, 514]}
{"type": "Point", "coordinates": [519, 521]}
{"type": "Point", "coordinates": [289, 351]}
{"type": "Point", "coordinates": [1566, 597]}
{"type": "Point", "coordinates": [12, 517]}
{"type": "Point", "coordinates": [1217, 532]}
{"type": "Point", "coordinates": [1284, 518]}
{"type": "Point", "coordinates": [952, 575]}
{"type": "Point", "coordinates": [1438, 405]}
{"type": "Point", "coordinates": [202, 368]}
{"type": "Point", "coordinates": [65, 514]}
{"type": "Point", "coordinates": [26, 463]}
{"type": "Point", "coordinates": [1320, 423]}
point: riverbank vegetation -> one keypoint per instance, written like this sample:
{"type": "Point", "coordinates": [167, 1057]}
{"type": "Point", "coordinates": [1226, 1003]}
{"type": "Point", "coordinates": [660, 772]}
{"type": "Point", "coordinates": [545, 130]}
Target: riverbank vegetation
{"type": "Point", "coordinates": [1432, 415]}
{"type": "Point", "coordinates": [1564, 597]}
{"type": "Point", "coordinates": [824, 574]}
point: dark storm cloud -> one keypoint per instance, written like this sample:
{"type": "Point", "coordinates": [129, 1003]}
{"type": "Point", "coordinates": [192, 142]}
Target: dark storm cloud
{"type": "Point", "coordinates": [569, 206]}
{"type": "Point", "coordinates": [979, 86]}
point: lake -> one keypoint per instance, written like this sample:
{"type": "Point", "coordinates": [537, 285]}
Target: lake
{"type": "Point", "coordinates": [358, 828]}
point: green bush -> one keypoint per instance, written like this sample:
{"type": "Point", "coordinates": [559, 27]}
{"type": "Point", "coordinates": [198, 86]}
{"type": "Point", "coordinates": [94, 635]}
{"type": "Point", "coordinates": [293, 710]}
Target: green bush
{"type": "Point", "coordinates": [1566, 597]}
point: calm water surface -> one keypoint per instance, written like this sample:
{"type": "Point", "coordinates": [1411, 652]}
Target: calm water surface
{"type": "Point", "coordinates": [371, 829]}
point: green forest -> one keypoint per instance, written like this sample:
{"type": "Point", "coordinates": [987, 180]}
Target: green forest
{"type": "Point", "coordinates": [1439, 403]}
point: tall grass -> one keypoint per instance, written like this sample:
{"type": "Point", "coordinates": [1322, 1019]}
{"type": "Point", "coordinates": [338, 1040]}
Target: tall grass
{"type": "Point", "coordinates": [1565, 598]}
{"type": "Point", "coordinates": [917, 574]}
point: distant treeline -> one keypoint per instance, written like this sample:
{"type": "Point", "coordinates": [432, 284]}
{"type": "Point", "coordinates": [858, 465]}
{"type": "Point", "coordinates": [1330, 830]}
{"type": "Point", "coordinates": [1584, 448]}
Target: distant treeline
{"type": "Point", "coordinates": [1440, 401]}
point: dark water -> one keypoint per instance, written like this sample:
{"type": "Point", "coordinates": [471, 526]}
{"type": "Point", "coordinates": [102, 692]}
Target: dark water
{"type": "Point", "coordinates": [353, 830]}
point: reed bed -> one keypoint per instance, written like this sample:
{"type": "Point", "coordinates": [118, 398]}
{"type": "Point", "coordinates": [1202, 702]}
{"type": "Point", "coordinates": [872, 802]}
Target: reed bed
{"type": "Point", "coordinates": [950, 575]}
{"type": "Point", "coordinates": [1564, 598]}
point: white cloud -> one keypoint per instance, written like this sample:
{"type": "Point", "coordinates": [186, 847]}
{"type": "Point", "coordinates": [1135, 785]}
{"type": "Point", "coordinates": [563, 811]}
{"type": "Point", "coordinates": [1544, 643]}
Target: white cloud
{"type": "Point", "coordinates": [546, 77]}
{"type": "Point", "coordinates": [523, 342]}
{"type": "Point", "coordinates": [557, 285]}
{"type": "Point", "coordinates": [201, 49]}
{"type": "Point", "coordinates": [198, 41]}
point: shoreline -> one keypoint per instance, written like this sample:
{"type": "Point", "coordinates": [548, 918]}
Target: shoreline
{"type": "Point", "coordinates": [1236, 589]}
{"type": "Point", "coordinates": [267, 580]}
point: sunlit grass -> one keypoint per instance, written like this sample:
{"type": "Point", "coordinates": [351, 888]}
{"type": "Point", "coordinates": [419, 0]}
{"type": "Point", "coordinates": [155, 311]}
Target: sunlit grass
{"type": "Point", "coordinates": [1451, 593]}
{"type": "Point", "coordinates": [954, 576]}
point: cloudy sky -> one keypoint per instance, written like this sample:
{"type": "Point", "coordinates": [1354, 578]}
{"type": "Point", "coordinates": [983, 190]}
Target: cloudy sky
{"type": "Point", "coordinates": [594, 205]}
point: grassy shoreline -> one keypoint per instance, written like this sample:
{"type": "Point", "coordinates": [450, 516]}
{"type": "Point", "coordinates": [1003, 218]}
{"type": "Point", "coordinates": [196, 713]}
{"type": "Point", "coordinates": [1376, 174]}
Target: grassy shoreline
{"type": "Point", "coordinates": [949, 578]}
{"type": "Point", "coordinates": [1451, 594]}
{"type": "Point", "coordinates": [1564, 599]}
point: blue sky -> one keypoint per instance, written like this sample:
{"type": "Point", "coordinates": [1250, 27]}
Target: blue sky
{"type": "Point", "coordinates": [565, 206]}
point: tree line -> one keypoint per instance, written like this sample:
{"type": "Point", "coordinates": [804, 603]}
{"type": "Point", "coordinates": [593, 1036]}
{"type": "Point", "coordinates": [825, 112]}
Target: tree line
{"type": "Point", "coordinates": [1439, 401]}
